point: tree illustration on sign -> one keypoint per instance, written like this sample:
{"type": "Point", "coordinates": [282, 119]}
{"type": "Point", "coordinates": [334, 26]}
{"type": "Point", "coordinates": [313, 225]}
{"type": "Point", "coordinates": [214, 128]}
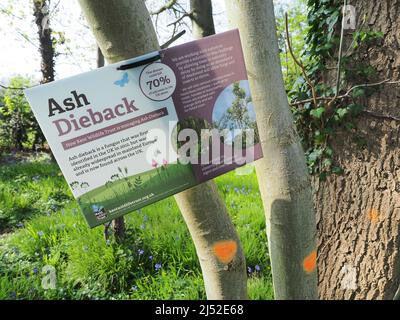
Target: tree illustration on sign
{"type": "Point", "coordinates": [234, 110]}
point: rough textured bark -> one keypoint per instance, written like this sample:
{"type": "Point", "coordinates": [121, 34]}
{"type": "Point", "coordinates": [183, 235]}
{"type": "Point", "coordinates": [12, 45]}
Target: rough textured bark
{"type": "Point", "coordinates": [358, 214]}
{"type": "Point", "coordinates": [47, 54]}
{"type": "Point", "coordinates": [119, 228]}
{"type": "Point", "coordinates": [202, 208]}
{"type": "Point", "coordinates": [202, 19]}
{"type": "Point", "coordinates": [282, 174]}
{"type": "Point", "coordinates": [46, 48]}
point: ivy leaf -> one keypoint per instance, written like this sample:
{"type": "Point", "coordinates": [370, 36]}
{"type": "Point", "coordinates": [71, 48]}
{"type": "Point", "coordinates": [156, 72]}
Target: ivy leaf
{"type": "Point", "coordinates": [337, 170]}
{"type": "Point", "coordinates": [317, 113]}
{"type": "Point", "coordinates": [358, 93]}
{"type": "Point", "coordinates": [316, 154]}
{"type": "Point", "coordinates": [355, 109]}
{"type": "Point", "coordinates": [327, 162]}
{"type": "Point", "coordinates": [323, 176]}
{"type": "Point", "coordinates": [350, 126]}
{"type": "Point", "coordinates": [332, 20]}
{"type": "Point", "coordinates": [329, 151]}
{"type": "Point", "coordinates": [319, 137]}
{"type": "Point", "coordinates": [342, 112]}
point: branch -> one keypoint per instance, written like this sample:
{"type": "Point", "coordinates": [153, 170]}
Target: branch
{"type": "Point", "coordinates": [380, 116]}
{"type": "Point", "coordinates": [167, 6]}
{"type": "Point", "coordinates": [299, 63]}
{"type": "Point", "coordinates": [347, 94]}
{"type": "Point", "coordinates": [173, 39]}
{"type": "Point", "coordinates": [186, 14]}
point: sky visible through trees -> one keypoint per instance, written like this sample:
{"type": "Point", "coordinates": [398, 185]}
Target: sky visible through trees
{"type": "Point", "coordinates": [19, 37]}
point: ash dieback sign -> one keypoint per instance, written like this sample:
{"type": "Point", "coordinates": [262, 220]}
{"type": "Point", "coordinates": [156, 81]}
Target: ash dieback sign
{"type": "Point", "coordinates": [135, 132]}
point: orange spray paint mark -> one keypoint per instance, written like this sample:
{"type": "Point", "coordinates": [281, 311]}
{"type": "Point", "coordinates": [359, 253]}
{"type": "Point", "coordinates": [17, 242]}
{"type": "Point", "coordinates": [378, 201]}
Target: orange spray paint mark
{"type": "Point", "coordinates": [310, 262]}
{"type": "Point", "coordinates": [373, 215]}
{"type": "Point", "coordinates": [225, 250]}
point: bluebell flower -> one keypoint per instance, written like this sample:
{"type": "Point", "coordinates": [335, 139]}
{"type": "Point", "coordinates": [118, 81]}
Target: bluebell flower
{"type": "Point", "coordinates": [258, 268]}
{"type": "Point", "coordinates": [35, 178]}
{"type": "Point", "coordinates": [142, 227]}
{"type": "Point", "coordinates": [40, 233]}
{"type": "Point", "coordinates": [151, 258]}
{"type": "Point", "coordinates": [140, 252]}
{"type": "Point", "coordinates": [146, 217]}
{"type": "Point", "coordinates": [249, 270]}
{"type": "Point", "coordinates": [134, 288]}
{"type": "Point", "coordinates": [35, 270]}
{"type": "Point", "coordinates": [158, 266]}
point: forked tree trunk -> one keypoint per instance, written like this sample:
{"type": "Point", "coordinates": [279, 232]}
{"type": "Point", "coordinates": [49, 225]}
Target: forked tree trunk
{"type": "Point", "coordinates": [282, 173]}
{"type": "Point", "coordinates": [359, 212]}
{"type": "Point", "coordinates": [123, 29]}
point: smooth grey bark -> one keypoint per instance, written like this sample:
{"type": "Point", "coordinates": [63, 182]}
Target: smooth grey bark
{"type": "Point", "coordinates": [123, 30]}
{"type": "Point", "coordinates": [202, 18]}
{"type": "Point", "coordinates": [118, 224]}
{"type": "Point", "coordinates": [282, 173]}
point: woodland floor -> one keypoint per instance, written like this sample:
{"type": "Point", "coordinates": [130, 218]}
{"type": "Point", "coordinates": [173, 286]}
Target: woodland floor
{"type": "Point", "coordinates": [41, 225]}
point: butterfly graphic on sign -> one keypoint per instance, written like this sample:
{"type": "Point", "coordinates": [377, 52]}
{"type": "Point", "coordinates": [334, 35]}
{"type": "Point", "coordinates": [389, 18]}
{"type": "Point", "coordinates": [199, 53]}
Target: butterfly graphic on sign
{"type": "Point", "coordinates": [124, 81]}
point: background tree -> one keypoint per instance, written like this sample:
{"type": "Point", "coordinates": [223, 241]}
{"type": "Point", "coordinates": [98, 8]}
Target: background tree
{"type": "Point", "coordinates": [202, 207]}
{"type": "Point", "coordinates": [237, 115]}
{"type": "Point", "coordinates": [17, 123]}
{"type": "Point", "coordinates": [41, 12]}
{"type": "Point", "coordinates": [201, 15]}
{"type": "Point", "coordinates": [282, 173]}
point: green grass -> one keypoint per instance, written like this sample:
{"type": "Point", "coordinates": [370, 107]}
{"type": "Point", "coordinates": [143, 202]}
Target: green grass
{"type": "Point", "coordinates": [45, 227]}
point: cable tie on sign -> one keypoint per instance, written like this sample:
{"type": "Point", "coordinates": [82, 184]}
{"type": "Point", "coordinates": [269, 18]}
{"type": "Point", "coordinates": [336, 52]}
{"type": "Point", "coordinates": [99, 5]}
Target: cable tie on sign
{"type": "Point", "coordinates": [139, 63]}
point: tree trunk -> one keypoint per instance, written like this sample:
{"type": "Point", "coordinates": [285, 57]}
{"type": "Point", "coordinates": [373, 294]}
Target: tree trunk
{"type": "Point", "coordinates": [202, 18]}
{"type": "Point", "coordinates": [100, 58]}
{"type": "Point", "coordinates": [47, 54]}
{"type": "Point", "coordinates": [214, 235]}
{"type": "Point", "coordinates": [119, 229]}
{"type": "Point", "coordinates": [118, 225]}
{"type": "Point", "coordinates": [358, 213]}
{"type": "Point", "coordinates": [46, 48]}
{"type": "Point", "coordinates": [282, 173]}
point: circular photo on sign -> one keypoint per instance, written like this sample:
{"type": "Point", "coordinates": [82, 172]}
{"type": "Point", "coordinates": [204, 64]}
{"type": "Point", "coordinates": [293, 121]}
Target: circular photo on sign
{"type": "Point", "coordinates": [157, 81]}
{"type": "Point", "coordinates": [196, 125]}
{"type": "Point", "coordinates": [234, 115]}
